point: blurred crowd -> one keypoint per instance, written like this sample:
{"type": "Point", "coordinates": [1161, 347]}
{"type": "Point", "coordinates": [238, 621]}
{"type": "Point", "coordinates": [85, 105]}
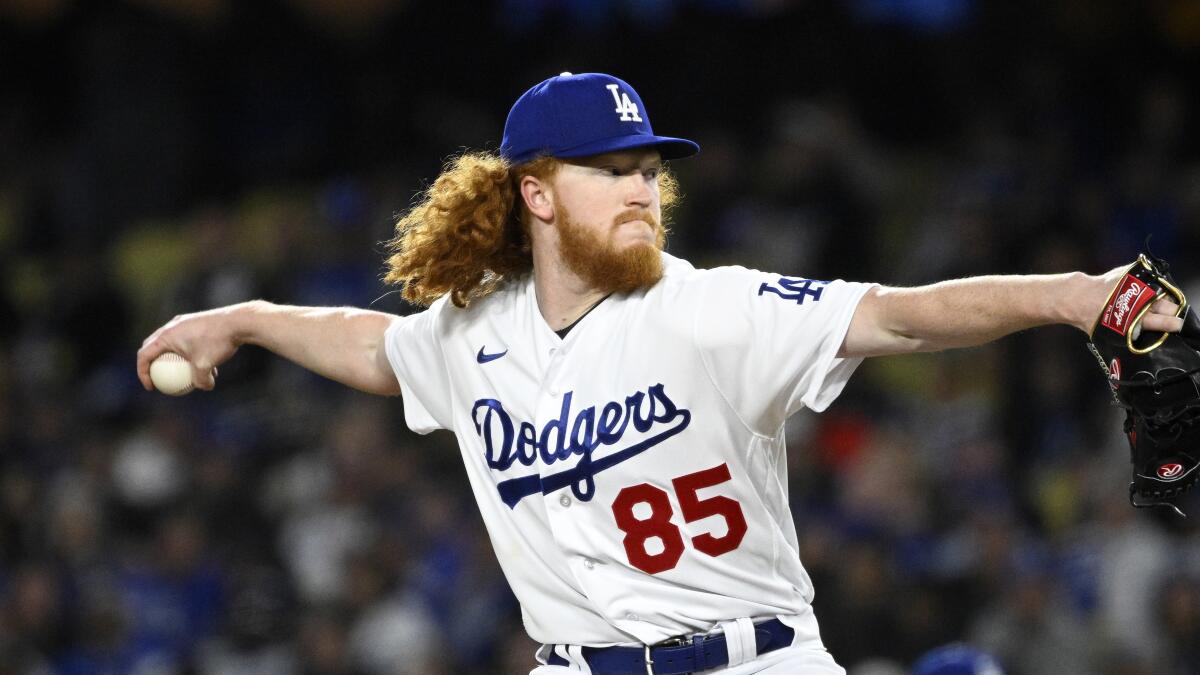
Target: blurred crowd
{"type": "Point", "coordinates": [168, 156]}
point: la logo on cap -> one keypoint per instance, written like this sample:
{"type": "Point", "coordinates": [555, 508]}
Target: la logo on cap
{"type": "Point", "coordinates": [627, 108]}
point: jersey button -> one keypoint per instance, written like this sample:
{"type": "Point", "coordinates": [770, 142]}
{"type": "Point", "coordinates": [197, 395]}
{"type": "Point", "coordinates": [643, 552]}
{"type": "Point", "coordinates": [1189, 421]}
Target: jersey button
{"type": "Point", "coordinates": [633, 617]}
{"type": "Point", "coordinates": [587, 562]}
{"type": "Point", "coordinates": [553, 391]}
{"type": "Point", "coordinates": [565, 501]}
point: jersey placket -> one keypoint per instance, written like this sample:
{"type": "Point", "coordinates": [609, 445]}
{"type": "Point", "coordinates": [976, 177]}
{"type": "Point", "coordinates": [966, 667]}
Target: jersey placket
{"type": "Point", "coordinates": [559, 504]}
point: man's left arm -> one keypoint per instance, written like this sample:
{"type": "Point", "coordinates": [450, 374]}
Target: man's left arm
{"type": "Point", "coordinates": [968, 312]}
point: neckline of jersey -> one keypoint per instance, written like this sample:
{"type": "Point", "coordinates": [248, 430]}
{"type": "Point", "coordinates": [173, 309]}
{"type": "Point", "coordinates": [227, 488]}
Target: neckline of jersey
{"type": "Point", "coordinates": [562, 332]}
{"type": "Point", "coordinates": [543, 329]}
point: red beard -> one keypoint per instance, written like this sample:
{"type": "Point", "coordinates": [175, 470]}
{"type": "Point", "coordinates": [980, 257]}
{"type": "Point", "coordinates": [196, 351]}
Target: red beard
{"type": "Point", "coordinates": [595, 260]}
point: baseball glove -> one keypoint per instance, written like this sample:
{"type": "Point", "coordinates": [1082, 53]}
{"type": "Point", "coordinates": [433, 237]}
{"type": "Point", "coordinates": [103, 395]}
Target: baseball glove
{"type": "Point", "coordinates": [1155, 377]}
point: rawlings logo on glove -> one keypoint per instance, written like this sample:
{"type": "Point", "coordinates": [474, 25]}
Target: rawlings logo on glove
{"type": "Point", "coordinates": [1156, 379]}
{"type": "Point", "coordinates": [1170, 471]}
{"type": "Point", "coordinates": [1130, 297]}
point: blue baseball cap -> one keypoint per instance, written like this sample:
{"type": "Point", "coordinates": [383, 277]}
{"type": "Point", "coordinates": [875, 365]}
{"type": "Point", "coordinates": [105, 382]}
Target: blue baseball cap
{"type": "Point", "coordinates": [579, 115]}
{"type": "Point", "coordinates": [957, 659]}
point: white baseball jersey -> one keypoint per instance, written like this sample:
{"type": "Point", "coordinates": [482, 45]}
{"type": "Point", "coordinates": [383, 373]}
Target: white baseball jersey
{"type": "Point", "coordinates": [632, 474]}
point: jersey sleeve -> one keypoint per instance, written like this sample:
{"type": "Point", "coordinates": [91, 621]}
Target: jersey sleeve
{"type": "Point", "coordinates": [770, 342]}
{"type": "Point", "coordinates": [414, 349]}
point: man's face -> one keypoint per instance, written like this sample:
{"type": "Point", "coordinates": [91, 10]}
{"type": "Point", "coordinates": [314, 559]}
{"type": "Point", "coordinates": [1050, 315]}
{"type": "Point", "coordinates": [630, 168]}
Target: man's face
{"type": "Point", "coordinates": [609, 219]}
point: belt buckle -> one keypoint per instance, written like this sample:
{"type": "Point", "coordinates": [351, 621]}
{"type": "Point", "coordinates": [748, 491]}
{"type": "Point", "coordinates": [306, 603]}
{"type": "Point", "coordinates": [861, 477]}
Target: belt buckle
{"type": "Point", "coordinates": [680, 641]}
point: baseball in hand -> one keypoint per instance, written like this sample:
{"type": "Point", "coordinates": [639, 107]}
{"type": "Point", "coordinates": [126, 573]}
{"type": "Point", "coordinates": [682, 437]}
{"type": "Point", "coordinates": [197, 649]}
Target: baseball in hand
{"type": "Point", "coordinates": [171, 374]}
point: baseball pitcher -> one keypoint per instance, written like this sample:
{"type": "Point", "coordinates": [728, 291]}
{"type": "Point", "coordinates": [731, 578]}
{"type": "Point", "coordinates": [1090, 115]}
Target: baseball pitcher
{"type": "Point", "coordinates": [620, 412]}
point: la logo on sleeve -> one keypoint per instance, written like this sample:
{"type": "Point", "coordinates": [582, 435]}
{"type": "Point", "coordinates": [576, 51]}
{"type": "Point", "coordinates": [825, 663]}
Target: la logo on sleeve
{"type": "Point", "coordinates": [790, 288]}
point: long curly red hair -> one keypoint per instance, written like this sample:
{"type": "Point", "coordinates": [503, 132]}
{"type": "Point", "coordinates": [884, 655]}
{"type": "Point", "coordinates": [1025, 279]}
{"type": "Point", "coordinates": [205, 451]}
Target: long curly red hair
{"type": "Point", "coordinates": [468, 231]}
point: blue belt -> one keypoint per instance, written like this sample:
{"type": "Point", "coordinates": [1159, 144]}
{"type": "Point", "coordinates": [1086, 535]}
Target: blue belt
{"type": "Point", "coordinates": [678, 656]}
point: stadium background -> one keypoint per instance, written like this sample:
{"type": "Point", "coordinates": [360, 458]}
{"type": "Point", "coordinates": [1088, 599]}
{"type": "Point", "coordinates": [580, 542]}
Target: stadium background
{"type": "Point", "coordinates": [164, 156]}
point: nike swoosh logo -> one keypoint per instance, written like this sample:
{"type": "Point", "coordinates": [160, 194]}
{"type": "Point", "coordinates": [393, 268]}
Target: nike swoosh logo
{"type": "Point", "coordinates": [484, 358]}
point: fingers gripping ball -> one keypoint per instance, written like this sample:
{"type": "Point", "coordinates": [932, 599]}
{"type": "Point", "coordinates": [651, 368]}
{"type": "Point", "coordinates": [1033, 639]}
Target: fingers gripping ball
{"type": "Point", "coordinates": [1155, 377]}
{"type": "Point", "coordinates": [171, 374]}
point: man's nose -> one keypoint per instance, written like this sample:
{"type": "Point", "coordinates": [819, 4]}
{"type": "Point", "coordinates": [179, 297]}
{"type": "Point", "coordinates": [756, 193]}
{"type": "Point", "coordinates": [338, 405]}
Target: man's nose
{"type": "Point", "coordinates": [639, 192]}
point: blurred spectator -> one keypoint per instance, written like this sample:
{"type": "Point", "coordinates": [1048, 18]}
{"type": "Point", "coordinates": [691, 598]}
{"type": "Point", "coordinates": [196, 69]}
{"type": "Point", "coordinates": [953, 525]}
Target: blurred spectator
{"type": "Point", "coordinates": [1030, 630]}
{"type": "Point", "coordinates": [324, 645]}
{"type": "Point", "coordinates": [394, 633]}
{"type": "Point", "coordinates": [1178, 622]}
{"type": "Point", "coordinates": [172, 595]}
{"type": "Point", "coordinates": [258, 625]}
{"type": "Point", "coordinates": [33, 621]}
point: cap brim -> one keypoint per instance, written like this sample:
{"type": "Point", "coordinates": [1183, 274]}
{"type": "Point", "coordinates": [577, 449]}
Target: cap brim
{"type": "Point", "coordinates": [668, 147]}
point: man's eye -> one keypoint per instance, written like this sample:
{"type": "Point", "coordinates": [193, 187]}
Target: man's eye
{"type": "Point", "coordinates": [653, 173]}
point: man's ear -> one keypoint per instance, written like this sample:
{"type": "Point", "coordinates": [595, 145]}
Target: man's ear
{"type": "Point", "coordinates": [538, 197]}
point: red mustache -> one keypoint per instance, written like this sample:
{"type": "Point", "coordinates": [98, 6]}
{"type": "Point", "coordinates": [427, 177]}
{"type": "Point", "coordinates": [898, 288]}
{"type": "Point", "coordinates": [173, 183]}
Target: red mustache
{"type": "Point", "coordinates": [637, 214]}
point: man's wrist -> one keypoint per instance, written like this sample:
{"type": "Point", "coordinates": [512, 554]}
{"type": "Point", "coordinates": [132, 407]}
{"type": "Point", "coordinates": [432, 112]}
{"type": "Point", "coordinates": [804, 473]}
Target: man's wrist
{"type": "Point", "coordinates": [1089, 292]}
{"type": "Point", "coordinates": [244, 318]}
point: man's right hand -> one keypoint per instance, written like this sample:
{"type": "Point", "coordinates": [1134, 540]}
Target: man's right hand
{"type": "Point", "coordinates": [205, 339]}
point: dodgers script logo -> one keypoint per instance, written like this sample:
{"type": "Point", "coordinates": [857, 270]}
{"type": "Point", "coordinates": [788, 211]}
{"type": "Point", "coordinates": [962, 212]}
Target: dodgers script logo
{"type": "Point", "coordinates": [506, 443]}
{"type": "Point", "coordinates": [795, 289]}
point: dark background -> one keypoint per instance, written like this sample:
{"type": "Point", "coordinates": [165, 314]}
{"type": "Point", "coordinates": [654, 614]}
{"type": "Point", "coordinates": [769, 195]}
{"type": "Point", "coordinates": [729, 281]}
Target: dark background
{"type": "Point", "coordinates": [160, 157]}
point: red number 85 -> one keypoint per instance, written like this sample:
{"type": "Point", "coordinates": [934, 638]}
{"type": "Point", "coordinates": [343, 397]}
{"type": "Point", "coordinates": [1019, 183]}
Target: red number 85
{"type": "Point", "coordinates": [639, 530]}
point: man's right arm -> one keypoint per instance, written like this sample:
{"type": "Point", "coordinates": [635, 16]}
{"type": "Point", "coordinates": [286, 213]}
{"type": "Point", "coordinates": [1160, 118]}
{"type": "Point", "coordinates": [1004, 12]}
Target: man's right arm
{"type": "Point", "coordinates": [342, 343]}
